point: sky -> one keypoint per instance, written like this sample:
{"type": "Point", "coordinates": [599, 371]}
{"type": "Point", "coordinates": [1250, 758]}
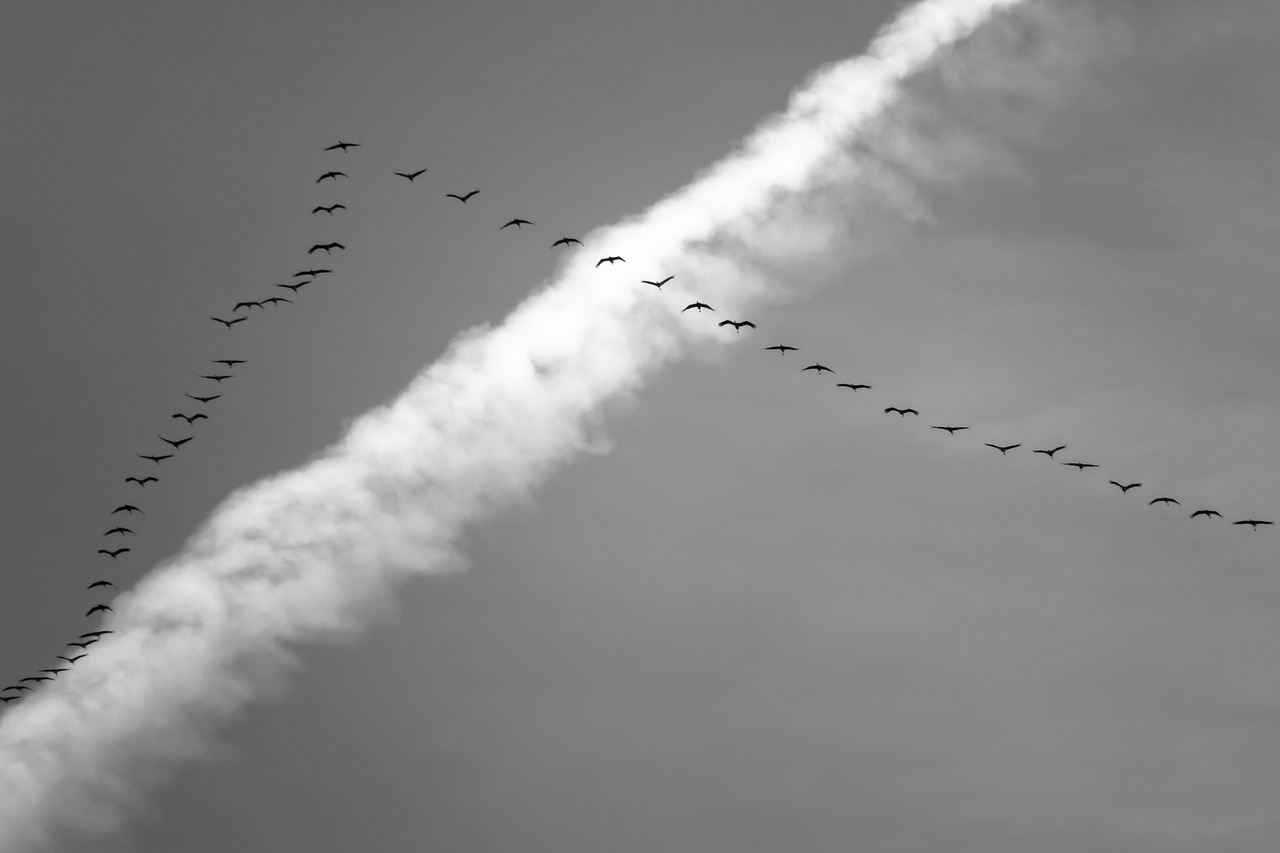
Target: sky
{"type": "Point", "coordinates": [761, 613]}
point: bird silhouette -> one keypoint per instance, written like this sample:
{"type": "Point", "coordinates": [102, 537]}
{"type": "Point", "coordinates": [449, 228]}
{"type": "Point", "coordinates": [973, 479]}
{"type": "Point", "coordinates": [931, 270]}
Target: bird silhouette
{"type": "Point", "coordinates": [246, 306]}
{"type": "Point", "coordinates": [854, 386]}
{"type": "Point", "coordinates": [698, 305]}
{"type": "Point", "coordinates": [54, 672]}
{"type": "Point", "coordinates": [129, 508]}
{"type": "Point", "coordinates": [204, 399]}
{"type": "Point", "coordinates": [737, 324]}
{"type": "Point", "coordinates": [332, 176]}
{"type": "Point", "coordinates": [519, 223]}
{"type": "Point", "coordinates": [1079, 465]}
{"type": "Point", "coordinates": [1004, 451]}
{"type": "Point", "coordinates": [229, 362]}
{"type": "Point", "coordinates": [100, 583]}
{"type": "Point", "coordinates": [24, 688]}
{"type": "Point", "coordinates": [155, 459]}
{"type": "Point", "coordinates": [83, 645]}
{"type": "Point", "coordinates": [69, 660]}
{"type": "Point", "coordinates": [563, 241]}
{"type": "Point", "coordinates": [817, 367]}
{"type": "Point", "coordinates": [294, 287]}
{"type": "Point", "coordinates": [950, 429]}
{"type": "Point", "coordinates": [328, 247]}
{"type": "Point", "coordinates": [120, 530]}
{"type": "Point", "coordinates": [783, 348]}
{"type": "Point", "coordinates": [99, 608]}
{"type": "Point", "coordinates": [1252, 522]}
{"type": "Point", "coordinates": [901, 412]}
{"type": "Point", "coordinates": [1123, 487]}
{"type": "Point", "coordinates": [611, 260]}
{"type": "Point", "coordinates": [229, 323]}
{"type": "Point", "coordinates": [36, 678]}
{"type": "Point", "coordinates": [142, 481]}
{"type": "Point", "coordinates": [657, 284]}
{"type": "Point", "coordinates": [113, 554]}
{"type": "Point", "coordinates": [1206, 513]}
{"type": "Point", "coordinates": [411, 175]}
{"type": "Point", "coordinates": [96, 635]}
{"type": "Point", "coordinates": [176, 443]}
{"type": "Point", "coordinates": [1050, 453]}
{"type": "Point", "coordinates": [276, 300]}
{"type": "Point", "coordinates": [461, 198]}
{"type": "Point", "coordinates": [218, 377]}
{"type": "Point", "coordinates": [330, 209]}
{"type": "Point", "coordinates": [301, 273]}
{"type": "Point", "coordinates": [1164, 501]}
{"type": "Point", "coordinates": [190, 419]}
{"type": "Point", "coordinates": [344, 146]}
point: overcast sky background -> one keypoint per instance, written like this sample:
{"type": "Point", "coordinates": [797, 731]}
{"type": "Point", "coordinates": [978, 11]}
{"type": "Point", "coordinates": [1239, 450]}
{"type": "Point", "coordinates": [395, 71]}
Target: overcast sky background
{"type": "Point", "coordinates": [770, 617]}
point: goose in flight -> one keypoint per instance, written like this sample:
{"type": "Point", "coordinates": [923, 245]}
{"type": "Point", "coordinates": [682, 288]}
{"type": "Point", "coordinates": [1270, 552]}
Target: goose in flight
{"type": "Point", "coordinates": [817, 367]}
{"type": "Point", "coordinates": [204, 399]}
{"type": "Point", "coordinates": [328, 248]}
{"type": "Point", "coordinates": [1252, 522]}
{"type": "Point", "coordinates": [343, 146]}
{"type": "Point", "coordinates": [461, 198]}
{"type": "Point", "coordinates": [36, 678]}
{"type": "Point", "coordinates": [301, 273]}
{"type": "Point", "coordinates": [217, 377]}
{"type": "Point", "coordinates": [332, 176]}
{"type": "Point", "coordinates": [294, 287]}
{"type": "Point", "coordinates": [83, 645]}
{"type": "Point", "coordinates": [190, 419]}
{"type": "Point", "coordinates": [113, 554]}
{"type": "Point", "coordinates": [155, 459]}
{"type": "Point", "coordinates": [229, 362]}
{"type": "Point", "coordinates": [737, 324]}
{"type": "Point", "coordinates": [276, 300]}
{"type": "Point", "coordinates": [330, 209]}
{"type": "Point", "coordinates": [121, 530]}
{"type": "Point", "coordinates": [96, 635]}
{"type": "Point", "coordinates": [783, 348]}
{"type": "Point", "coordinates": [24, 688]}
{"type": "Point", "coordinates": [99, 608]}
{"type": "Point", "coordinates": [657, 284]}
{"type": "Point", "coordinates": [1004, 451]}
{"type": "Point", "coordinates": [698, 305]}
{"type": "Point", "coordinates": [411, 175]}
{"type": "Point", "coordinates": [176, 443]}
{"type": "Point", "coordinates": [563, 241]}
{"type": "Point", "coordinates": [129, 508]}
{"type": "Point", "coordinates": [142, 481]}
{"type": "Point", "coordinates": [519, 223]}
{"type": "Point", "coordinates": [1206, 513]}
{"type": "Point", "coordinates": [229, 323]}
{"type": "Point", "coordinates": [950, 429]}
{"type": "Point", "coordinates": [69, 660]}
{"type": "Point", "coordinates": [246, 306]}
{"type": "Point", "coordinates": [1122, 487]}
{"type": "Point", "coordinates": [611, 260]}
{"type": "Point", "coordinates": [100, 583]}
{"type": "Point", "coordinates": [854, 386]}
{"type": "Point", "coordinates": [1080, 465]}
{"type": "Point", "coordinates": [901, 412]}
{"type": "Point", "coordinates": [1052, 451]}
{"type": "Point", "coordinates": [1164, 501]}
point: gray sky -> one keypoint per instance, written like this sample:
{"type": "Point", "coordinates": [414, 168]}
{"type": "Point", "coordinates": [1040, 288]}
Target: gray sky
{"type": "Point", "coordinates": [770, 617]}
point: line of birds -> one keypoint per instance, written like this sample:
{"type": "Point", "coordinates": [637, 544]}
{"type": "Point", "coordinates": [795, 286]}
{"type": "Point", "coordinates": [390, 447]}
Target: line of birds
{"type": "Point", "coordinates": [309, 276]}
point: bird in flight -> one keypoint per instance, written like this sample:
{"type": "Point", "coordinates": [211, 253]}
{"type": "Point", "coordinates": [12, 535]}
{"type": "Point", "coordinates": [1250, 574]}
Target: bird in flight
{"type": "Point", "coordinates": [698, 305]}
{"type": "Point", "coordinates": [1050, 453]}
{"type": "Point", "coordinates": [69, 660]}
{"type": "Point", "coordinates": [854, 386]}
{"type": "Point", "coordinates": [301, 273]}
{"type": "Point", "coordinates": [611, 260]}
{"type": "Point", "coordinates": [155, 459]}
{"type": "Point", "coordinates": [783, 348]}
{"type": "Point", "coordinates": [246, 306]}
{"type": "Point", "coordinates": [564, 241]}
{"type": "Point", "coordinates": [101, 583]}
{"type": "Point", "coordinates": [218, 378]}
{"type": "Point", "coordinates": [21, 687]}
{"type": "Point", "coordinates": [461, 198]}
{"type": "Point", "coordinates": [276, 300]}
{"type": "Point", "coordinates": [229, 323]}
{"type": "Point", "coordinates": [901, 412]}
{"type": "Point", "coordinates": [330, 209]}
{"type": "Point", "coordinates": [294, 287]}
{"type": "Point", "coordinates": [176, 444]}
{"type": "Point", "coordinates": [1164, 501]}
{"type": "Point", "coordinates": [129, 508]}
{"type": "Point", "coordinates": [1206, 513]}
{"type": "Point", "coordinates": [54, 672]}
{"type": "Point", "coordinates": [83, 645]}
{"type": "Point", "coordinates": [1004, 451]}
{"type": "Point", "coordinates": [1080, 465]}
{"type": "Point", "coordinates": [950, 429]}
{"type": "Point", "coordinates": [333, 176]}
{"type": "Point", "coordinates": [113, 554]}
{"type": "Point", "coordinates": [1123, 487]}
{"type": "Point", "coordinates": [411, 175]}
{"type": "Point", "coordinates": [1252, 522]}
{"type": "Point", "coordinates": [657, 284]}
{"type": "Point", "coordinates": [36, 678]}
{"type": "Point", "coordinates": [343, 146]}
{"type": "Point", "coordinates": [142, 482]}
{"type": "Point", "coordinates": [204, 399]}
{"type": "Point", "coordinates": [818, 367]}
{"type": "Point", "coordinates": [737, 324]}
{"type": "Point", "coordinates": [99, 608]}
{"type": "Point", "coordinates": [328, 247]}
{"type": "Point", "coordinates": [96, 635]}
{"type": "Point", "coordinates": [518, 223]}
{"type": "Point", "coordinates": [120, 530]}
{"type": "Point", "coordinates": [229, 362]}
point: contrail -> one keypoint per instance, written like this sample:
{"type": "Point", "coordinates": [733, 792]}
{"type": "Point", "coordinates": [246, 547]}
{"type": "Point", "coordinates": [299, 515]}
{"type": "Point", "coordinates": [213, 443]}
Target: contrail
{"type": "Point", "coordinates": [312, 553]}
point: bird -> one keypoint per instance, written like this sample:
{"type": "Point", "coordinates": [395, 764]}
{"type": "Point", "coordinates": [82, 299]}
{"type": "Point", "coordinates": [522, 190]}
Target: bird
{"type": "Point", "coordinates": [901, 412]}
{"type": "Point", "coordinates": [54, 672]}
{"type": "Point", "coordinates": [83, 645]}
{"type": "Point", "coordinates": [818, 367]}
{"type": "Point", "coordinates": [330, 209]}
{"type": "Point", "coordinates": [217, 377]}
{"type": "Point", "coordinates": [246, 306]}
{"type": "Point", "coordinates": [1252, 522]}
{"type": "Point", "coordinates": [301, 273]}
{"type": "Point", "coordinates": [611, 260]}
{"type": "Point", "coordinates": [1164, 501]}
{"type": "Point", "coordinates": [204, 399]}
{"type": "Point", "coordinates": [950, 429]}
{"type": "Point", "coordinates": [120, 530]}
{"type": "Point", "coordinates": [96, 635]}
{"type": "Point", "coordinates": [698, 305]}
{"type": "Point", "coordinates": [229, 362]}
{"type": "Point", "coordinates": [333, 176]}
{"type": "Point", "coordinates": [1123, 487]}
{"type": "Point", "coordinates": [563, 241]}
{"type": "Point", "coordinates": [518, 223]}
{"type": "Point", "coordinates": [737, 324]}
{"type": "Point", "coordinates": [99, 608]}
{"type": "Point", "coordinates": [854, 386]}
{"type": "Point", "coordinates": [657, 284]}
{"type": "Point", "coordinates": [276, 300]}
{"type": "Point", "coordinates": [229, 323]}
{"type": "Point", "coordinates": [178, 443]}
{"type": "Point", "coordinates": [783, 348]}
{"type": "Point", "coordinates": [36, 678]}
{"type": "Point", "coordinates": [8, 699]}
{"type": "Point", "coordinates": [1004, 451]}
{"type": "Point", "coordinates": [21, 687]}
{"type": "Point", "coordinates": [142, 481]}
{"type": "Point", "coordinates": [129, 508]}
{"type": "Point", "coordinates": [113, 554]}
{"type": "Point", "coordinates": [1050, 453]}
{"type": "Point", "coordinates": [1206, 513]}
{"type": "Point", "coordinates": [411, 175]}
{"type": "Point", "coordinates": [344, 146]}
{"type": "Point", "coordinates": [328, 247]}
{"type": "Point", "coordinates": [101, 583]}
{"type": "Point", "coordinates": [461, 198]}
{"type": "Point", "coordinates": [1080, 465]}
{"type": "Point", "coordinates": [190, 419]}
{"type": "Point", "coordinates": [69, 660]}
{"type": "Point", "coordinates": [294, 287]}
{"type": "Point", "coordinates": [155, 459]}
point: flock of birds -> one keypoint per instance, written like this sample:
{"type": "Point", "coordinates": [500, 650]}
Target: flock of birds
{"type": "Point", "coordinates": [84, 641]}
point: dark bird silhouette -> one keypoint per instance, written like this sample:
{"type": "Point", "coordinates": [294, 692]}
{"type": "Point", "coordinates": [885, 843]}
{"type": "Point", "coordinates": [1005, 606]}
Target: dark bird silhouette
{"type": "Point", "coordinates": [518, 223]}
{"type": "Point", "coordinates": [818, 367]}
{"type": "Point", "coordinates": [1080, 465]}
{"type": "Point", "coordinates": [1123, 487]}
{"type": "Point", "coordinates": [24, 688]}
{"type": "Point", "coordinates": [99, 608]}
{"type": "Point", "coordinates": [1252, 522]}
{"type": "Point", "coordinates": [737, 324]}
{"type": "Point", "coordinates": [142, 481]}
{"type": "Point", "coordinates": [36, 678]}
{"type": "Point", "coordinates": [698, 305]}
{"type": "Point", "coordinates": [328, 247]}
{"type": "Point", "coordinates": [783, 348]}
{"type": "Point", "coordinates": [176, 443]}
{"type": "Point", "coordinates": [611, 260]}
{"type": "Point", "coordinates": [95, 634]}
{"type": "Point", "coordinates": [1050, 453]}
{"type": "Point", "coordinates": [113, 554]}
{"type": "Point", "coordinates": [229, 323]}
{"type": "Point", "coordinates": [155, 459]}
{"type": "Point", "coordinates": [8, 699]}
{"type": "Point", "coordinates": [901, 412]}
{"type": "Point", "coordinates": [69, 660]}
{"type": "Point", "coordinates": [129, 508]}
{"type": "Point", "coordinates": [854, 386]}
{"type": "Point", "coordinates": [101, 583]}
{"type": "Point", "coordinates": [301, 273]}
{"type": "Point", "coordinates": [564, 241]}
{"type": "Point", "coordinates": [1206, 513]}
{"type": "Point", "coordinates": [204, 399]}
{"type": "Point", "coordinates": [190, 419]}
{"type": "Point", "coordinates": [343, 146]}
{"type": "Point", "coordinates": [83, 645]}
{"type": "Point", "coordinates": [657, 284]}
{"type": "Point", "coordinates": [333, 176]}
{"type": "Point", "coordinates": [461, 198]}
{"type": "Point", "coordinates": [1164, 501]}
{"type": "Point", "coordinates": [411, 175]}
{"type": "Point", "coordinates": [276, 300]}
{"type": "Point", "coordinates": [950, 429]}
{"type": "Point", "coordinates": [54, 672]}
{"type": "Point", "coordinates": [229, 362]}
{"type": "Point", "coordinates": [246, 306]}
{"type": "Point", "coordinates": [294, 287]}
{"type": "Point", "coordinates": [330, 209]}
{"type": "Point", "coordinates": [120, 530]}
{"type": "Point", "coordinates": [216, 377]}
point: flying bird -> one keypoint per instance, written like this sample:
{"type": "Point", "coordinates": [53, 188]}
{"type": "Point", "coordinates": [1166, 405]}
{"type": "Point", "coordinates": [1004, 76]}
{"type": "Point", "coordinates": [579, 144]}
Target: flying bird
{"type": "Point", "coordinates": [333, 176]}
{"type": "Point", "coordinates": [330, 209]}
{"type": "Point", "coordinates": [328, 247]}
{"type": "Point", "coordinates": [951, 429]}
{"type": "Point", "coordinates": [21, 687]}
{"type": "Point", "coordinates": [143, 481]}
{"type": "Point", "coordinates": [1004, 451]}
{"type": "Point", "coordinates": [901, 412]}
{"type": "Point", "coordinates": [518, 223]}
{"type": "Point", "coordinates": [737, 324]}
{"type": "Point", "coordinates": [99, 608]}
{"type": "Point", "coordinates": [217, 377]}
{"type": "Point", "coordinates": [276, 300]}
{"type": "Point", "coordinates": [246, 306]}
{"type": "Point", "coordinates": [178, 443]}
{"type": "Point", "coordinates": [190, 419]}
{"type": "Point", "coordinates": [1164, 501]}
{"type": "Point", "coordinates": [54, 672]}
{"type": "Point", "coordinates": [1206, 513]}
{"type": "Point", "coordinates": [818, 367]}
{"type": "Point", "coordinates": [301, 273]}
{"type": "Point", "coordinates": [1252, 522]}
{"type": "Point", "coordinates": [1050, 453]}
{"type": "Point", "coordinates": [229, 323]}
{"type": "Point", "coordinates": [95, 634]}
{"type": "Point", "coordinates": [1080, 465]}
{"type": "Point", "coordinates": [129, 508]}
{"type": "Point", "coordinates": [69, 660]}
{"type": "Point", "coordinates": [294, 287]}
{"type": "Point", "coordinates": [101, 583]}
{"type": "Point", "coordinates": [657, 284]}
{"type": "Point", "coordinates": [113, 554]}
{"type": "Point", "coordinates": [344, 146]}
{"type": "Point", "coordinates": [698, 305]}
{"type": "Point", "coordinates": [83, 645]}
{"type": "Point", "coordinates": [611, 260]}
{"type": "Point", "coordinates": [229, 362]}
{"type": "Point", "coordinates": [461, 198]}
{"type": "Point", "coordinates": [783, 348]}
{"type": "Point", "coordinates": [36, 678]}
{"type": "Point", "coordinates": [563, 241]}
{"type": "Point", "coordinates": [120, 530]}
{"type": "Point", "coordinates": [204, 399]}
{"type": "Point", "coordinates": [1123, 487]}
{"type": "Point", "coordinates": [854, 386]}
{"type": "Point", "coordinates": [155, 459]}
{"type": "Point", "coordinates": [411, 175]}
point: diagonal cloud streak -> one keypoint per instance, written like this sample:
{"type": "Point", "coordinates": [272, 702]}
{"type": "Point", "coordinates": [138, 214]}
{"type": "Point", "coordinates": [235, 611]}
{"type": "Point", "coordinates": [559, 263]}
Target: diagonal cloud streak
{"type": "Point", "coordinates": [313, 553]}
